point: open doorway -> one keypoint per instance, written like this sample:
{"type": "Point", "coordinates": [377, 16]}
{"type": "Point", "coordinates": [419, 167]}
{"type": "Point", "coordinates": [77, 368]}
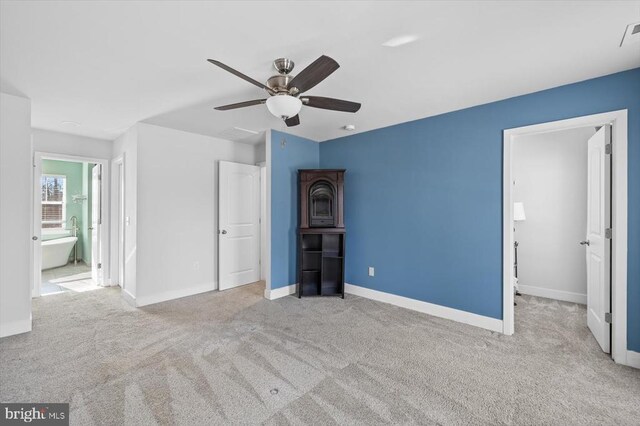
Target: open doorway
{"type": "Point", "coordinates": [565, 223]}
{"type": "Point", "coordinates": [69, 222]}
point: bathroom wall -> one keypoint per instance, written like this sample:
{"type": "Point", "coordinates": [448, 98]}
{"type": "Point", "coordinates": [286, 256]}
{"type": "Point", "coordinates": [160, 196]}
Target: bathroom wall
{"type": "Point", "coordinates": [74, 186]}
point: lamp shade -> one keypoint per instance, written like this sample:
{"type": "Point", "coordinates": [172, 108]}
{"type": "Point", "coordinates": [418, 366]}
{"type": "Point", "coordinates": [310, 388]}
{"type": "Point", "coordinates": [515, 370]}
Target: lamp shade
{"type": "Point", "coordinates": [284, 106]}
{"type": "Point", "coordinates": [518, 212]}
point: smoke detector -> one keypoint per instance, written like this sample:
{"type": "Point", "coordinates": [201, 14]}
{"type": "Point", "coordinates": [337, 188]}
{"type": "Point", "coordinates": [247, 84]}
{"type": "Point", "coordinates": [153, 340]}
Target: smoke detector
{"type": "Point", "coordinates": [631, 34]}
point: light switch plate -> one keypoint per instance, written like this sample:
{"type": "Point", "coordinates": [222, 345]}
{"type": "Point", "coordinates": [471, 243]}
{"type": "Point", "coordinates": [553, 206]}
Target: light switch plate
{"type": "Point", "coordinates": [372, 271]}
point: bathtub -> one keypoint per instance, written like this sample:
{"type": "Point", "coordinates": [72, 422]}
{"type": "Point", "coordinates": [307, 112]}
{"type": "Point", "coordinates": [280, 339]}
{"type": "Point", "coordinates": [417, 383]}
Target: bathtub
{"type": "Point", "coordinates": [56, 252]}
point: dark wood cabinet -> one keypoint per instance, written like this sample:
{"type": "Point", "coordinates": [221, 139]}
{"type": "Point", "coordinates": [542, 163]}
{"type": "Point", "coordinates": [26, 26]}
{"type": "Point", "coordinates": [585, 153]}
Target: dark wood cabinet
{"type": "Point", "coordinates": [321, 233]}
{"type": "Point", "coordinates": [321, 198]}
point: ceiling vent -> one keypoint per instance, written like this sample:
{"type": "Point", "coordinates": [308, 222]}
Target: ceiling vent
{"type": "Point", "coordinates": [236, 133]}
{"type": "Point", "coordinates": [631, 35]}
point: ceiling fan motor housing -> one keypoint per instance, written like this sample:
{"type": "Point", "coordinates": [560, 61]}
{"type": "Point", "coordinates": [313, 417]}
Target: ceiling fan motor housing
{"type": "Point", "coordinates": [279, 83]}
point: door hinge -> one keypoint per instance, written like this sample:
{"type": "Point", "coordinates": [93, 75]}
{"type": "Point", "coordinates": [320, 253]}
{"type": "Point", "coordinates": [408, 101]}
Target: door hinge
{"type": "Point", "coordinates": [608, 233]}
{"type": "Point", "coordinates": [99, 265]}
{"type": "Point", "coordinates": [607, 317]}
{"type": "Point", "coordinates": [607, 148]}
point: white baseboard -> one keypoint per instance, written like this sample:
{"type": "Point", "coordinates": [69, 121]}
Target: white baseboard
{"type": "Point", "coordinates": [277, 293]}
{"type": "Point", "coordinates": [174, 294]}
{"type": "Point", "coordinates": [128, 297]}
{"type": "Point", "coordinates": [109, 283]}
{"type": "Point", "coordinates": [633, 359]}
{"type": "Point", "coordinates": [15, 327]}
{"type": "Point", "coordinates": [481, 321]}
{"type": "Point", "coordinates": [566, 296]}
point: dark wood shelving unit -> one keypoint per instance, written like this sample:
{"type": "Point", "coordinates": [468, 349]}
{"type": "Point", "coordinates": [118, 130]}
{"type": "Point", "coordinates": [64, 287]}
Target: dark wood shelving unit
{"type": "Point", "coordinates": [321, 271]}
{"type": "Point", "coordinates": [321, 234]}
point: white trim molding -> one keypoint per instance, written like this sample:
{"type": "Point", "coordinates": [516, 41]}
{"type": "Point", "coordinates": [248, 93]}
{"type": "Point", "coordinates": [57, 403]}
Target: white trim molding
{"type": "Point", "coordinates": [175, 294]}
{"type": "Point", "coordinates": [633, 359]}
{"type": "Point", "coordinates": [15, 327]}
{"type": "Point", "coordinates": [128, 297]}
{"type": "Point", "coordinates": [550, 293]}
{"type": "Point", "coordinates": [619, 126]}
{"type": "Point", "coordinates": [440, 311]}
{"type": "Point", "coordinates": [267, 260]}
{"type": "Point", "coordinates": [277, 293]}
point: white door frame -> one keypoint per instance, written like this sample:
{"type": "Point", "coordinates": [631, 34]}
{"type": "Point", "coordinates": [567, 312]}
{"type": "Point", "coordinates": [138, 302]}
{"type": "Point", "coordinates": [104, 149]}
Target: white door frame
{"type": "Point", "coordinates": [117, 236]}
{"type": "Point", "coordinates": [618, 121]}
{"type": "Point", "coordinates": [267, 246]}
{"type": "Point", "coordinates": [38, 156]}
{"type": "Point", "coordinates": [263, 219]}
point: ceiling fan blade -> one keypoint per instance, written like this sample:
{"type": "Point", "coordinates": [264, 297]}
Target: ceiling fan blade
{"type": "Point", "coordinates": [241, 104]}
{"type": "Point", "coordinates": [292, 121]}
{"type": "Point", "coordinates": [320, 69]}
{"type": "Point", "coordinates": [330, 103]}
{"type": "Point", "coordinates": [238, 74]}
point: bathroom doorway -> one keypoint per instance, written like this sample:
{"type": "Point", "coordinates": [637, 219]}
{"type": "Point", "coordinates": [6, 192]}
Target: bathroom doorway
{"type": "Point", "coordinates": [68, 223]}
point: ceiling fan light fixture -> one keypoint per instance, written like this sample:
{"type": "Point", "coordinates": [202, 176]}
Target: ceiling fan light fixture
{"type": "Point", "coordinates": [284, 106]}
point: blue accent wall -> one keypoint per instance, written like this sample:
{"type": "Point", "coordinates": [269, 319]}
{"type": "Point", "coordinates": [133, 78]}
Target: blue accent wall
{"type": "Point", "coordinates": [297, 153]}
{"type": "Point", "coordinates": [423, 199]}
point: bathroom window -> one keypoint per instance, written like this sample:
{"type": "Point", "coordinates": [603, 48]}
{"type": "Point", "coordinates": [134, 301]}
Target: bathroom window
{"type": "Point", "coordinates": [53, 200]}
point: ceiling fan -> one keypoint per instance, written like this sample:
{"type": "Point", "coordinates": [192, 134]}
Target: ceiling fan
{"type": "Point", "coordinates": [285, 89]}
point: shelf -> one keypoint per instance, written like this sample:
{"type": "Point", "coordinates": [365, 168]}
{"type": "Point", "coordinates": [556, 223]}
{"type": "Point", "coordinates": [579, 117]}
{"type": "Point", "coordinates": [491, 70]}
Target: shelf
{"type": "Point", "coordinates": [321, 264]}
{"type": "Point", "coordinates": [310, 290]}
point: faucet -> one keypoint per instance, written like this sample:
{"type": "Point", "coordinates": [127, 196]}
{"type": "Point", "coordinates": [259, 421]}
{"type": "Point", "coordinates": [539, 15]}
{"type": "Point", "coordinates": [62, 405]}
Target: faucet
{"type": "Point", "coordinates": [74, 225]}
{"type": "Point", "coordinates": [74, 232]}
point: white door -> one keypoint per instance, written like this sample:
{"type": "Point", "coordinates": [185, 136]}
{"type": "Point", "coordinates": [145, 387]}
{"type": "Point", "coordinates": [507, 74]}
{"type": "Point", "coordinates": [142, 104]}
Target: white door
{"type": "Point", "coordinates": [96, 223]}
{"type": "Point", "coordinates": [239, 225]}
{"type": "Point", "coordinates": [597, 244]}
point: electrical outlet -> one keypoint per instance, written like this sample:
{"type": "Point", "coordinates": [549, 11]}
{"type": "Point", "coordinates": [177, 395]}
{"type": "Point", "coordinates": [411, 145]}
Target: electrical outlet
{"type": "Point", "coordinates": [372, 271]}
{"type": "Point", "coordinates": [196, 266]}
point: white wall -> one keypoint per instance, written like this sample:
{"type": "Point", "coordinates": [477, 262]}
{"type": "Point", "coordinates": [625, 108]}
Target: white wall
{"type": "Point", "coordinates": [260, 152]}
{"type": "Point", "coordinates": [63, 143]}
{"type": "Point", "coordinates": [550, 174]}
{"type": "Point", "coordinates": [15, 215]}
{"type": "Point", "coordinates": [177, 210]}
{"type": "Point", "coordinates": [127, 146]}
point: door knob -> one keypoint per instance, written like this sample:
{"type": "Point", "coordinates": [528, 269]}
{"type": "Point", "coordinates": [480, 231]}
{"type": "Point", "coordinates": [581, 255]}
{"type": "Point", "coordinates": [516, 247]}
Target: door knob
{"type": "Point", "coordinates": [584, 243]}
{"type": "Point", "coordinates": [34, 238]}
{"type": "Point", "coordinates": [224, 232]}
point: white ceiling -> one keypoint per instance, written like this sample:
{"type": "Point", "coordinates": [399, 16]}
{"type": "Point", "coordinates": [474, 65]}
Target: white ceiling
{"type": "Point", "coordinates": [108, 65]}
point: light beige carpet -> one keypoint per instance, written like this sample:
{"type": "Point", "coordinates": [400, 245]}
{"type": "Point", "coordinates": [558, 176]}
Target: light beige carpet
{"type": "Point", "coordinates": [234, 357]}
